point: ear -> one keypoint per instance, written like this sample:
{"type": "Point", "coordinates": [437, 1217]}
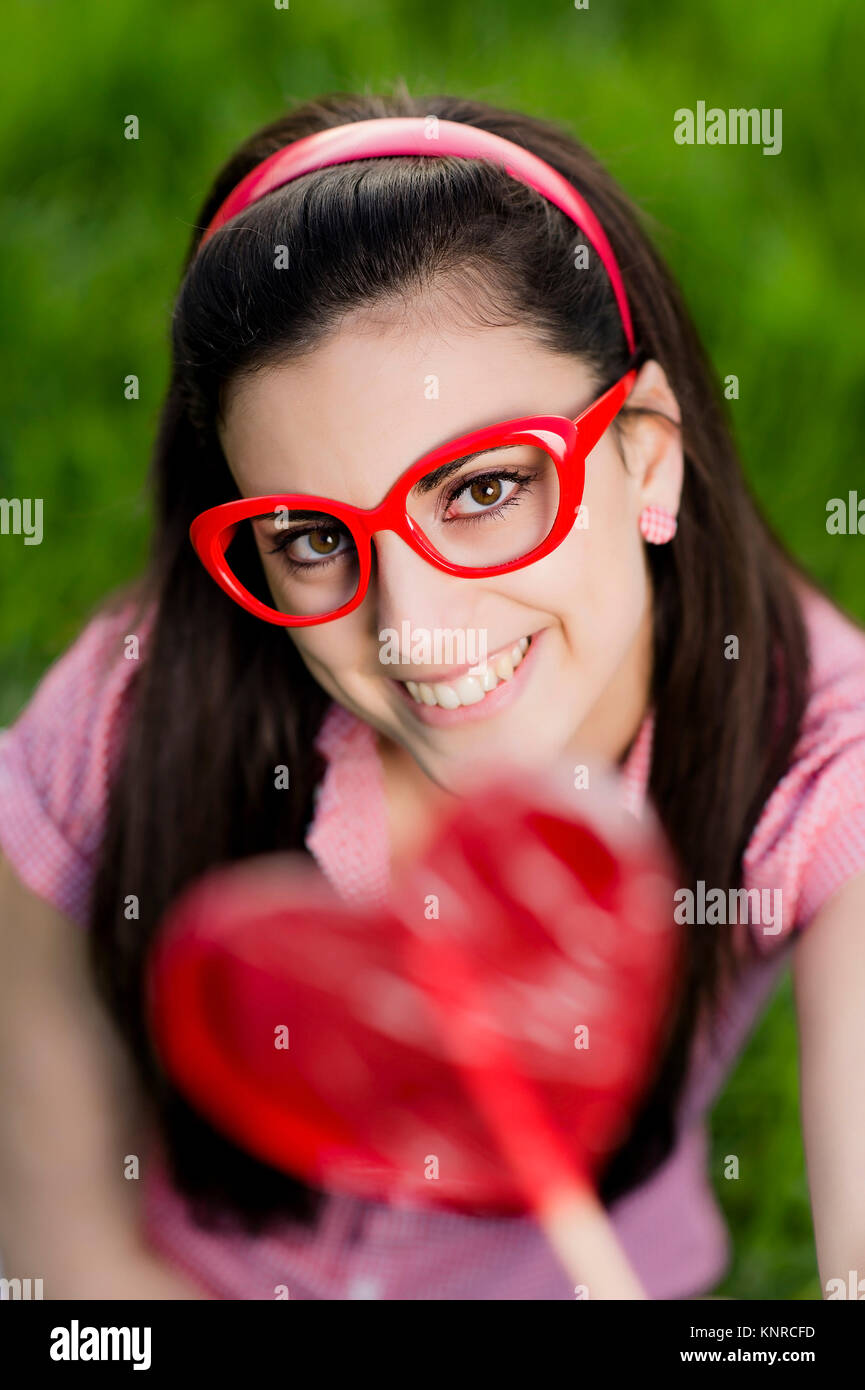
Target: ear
{"type": "Point", "coordinates": [653, 445]}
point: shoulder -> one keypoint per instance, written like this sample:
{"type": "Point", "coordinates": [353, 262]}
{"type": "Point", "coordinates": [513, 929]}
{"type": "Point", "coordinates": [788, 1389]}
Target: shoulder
{"type": "Point", "coordinates": [837, 681]}
{"type": "Point", "coordinates": [810, 838]}
{"type": "Point", "coordinates": [56, 759]}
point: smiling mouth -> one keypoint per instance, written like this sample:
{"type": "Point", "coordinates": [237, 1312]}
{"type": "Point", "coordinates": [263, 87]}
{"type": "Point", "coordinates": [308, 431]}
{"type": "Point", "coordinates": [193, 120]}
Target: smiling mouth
{"type": "Point", "coordinates": [470, 690]}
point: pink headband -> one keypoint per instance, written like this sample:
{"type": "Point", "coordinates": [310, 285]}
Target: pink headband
{"type": "Point", "coordinates": [394, 135]}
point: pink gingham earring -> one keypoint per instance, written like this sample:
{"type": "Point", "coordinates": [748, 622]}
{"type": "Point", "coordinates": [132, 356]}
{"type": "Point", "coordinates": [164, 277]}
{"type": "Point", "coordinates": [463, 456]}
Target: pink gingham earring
{"type": "Point", "coordinates": [657, 525]}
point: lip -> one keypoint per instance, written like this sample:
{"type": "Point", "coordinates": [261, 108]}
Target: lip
{"type": "Point", "coordinates": [497, 700]}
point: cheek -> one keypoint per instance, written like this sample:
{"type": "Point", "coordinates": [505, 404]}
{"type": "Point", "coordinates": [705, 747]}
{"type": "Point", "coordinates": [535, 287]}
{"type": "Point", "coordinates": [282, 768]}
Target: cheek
{"type": "Point", "coordinates": [595, 584]}
{"type": "Point", "coordinates": [608, 557]}
{"type": "Point", "coordinates": [331, 648]}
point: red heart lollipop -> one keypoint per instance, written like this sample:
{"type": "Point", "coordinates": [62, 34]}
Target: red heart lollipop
{"type": "Point", "coordinates": [481, 1043]}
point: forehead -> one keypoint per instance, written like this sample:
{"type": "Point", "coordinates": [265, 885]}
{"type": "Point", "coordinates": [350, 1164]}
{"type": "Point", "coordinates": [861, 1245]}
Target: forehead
{"type": "Point", "coordinates": [353, 414]}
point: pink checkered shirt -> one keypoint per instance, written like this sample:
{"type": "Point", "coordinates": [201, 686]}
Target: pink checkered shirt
{"type": "Point", "coordinates": [55, 763]}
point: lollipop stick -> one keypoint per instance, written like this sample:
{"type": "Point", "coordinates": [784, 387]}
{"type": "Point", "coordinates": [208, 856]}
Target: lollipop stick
{"type": "Point", "coordinates": [562, 1199]}
{"type": "Point", "coordinates": [581, 1234]}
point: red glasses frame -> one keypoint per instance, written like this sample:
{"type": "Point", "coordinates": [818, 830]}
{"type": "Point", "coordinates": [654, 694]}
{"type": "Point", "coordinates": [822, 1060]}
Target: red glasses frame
{"type": "Point", "coordinates": [568, 442]}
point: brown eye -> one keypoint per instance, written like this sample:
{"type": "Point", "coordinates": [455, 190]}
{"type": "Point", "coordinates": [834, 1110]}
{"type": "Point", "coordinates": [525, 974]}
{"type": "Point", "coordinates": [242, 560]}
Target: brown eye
{"type": "Point", "coordinates": [323, 542]}
{"type": "Point", "coordinates": [486, 492]}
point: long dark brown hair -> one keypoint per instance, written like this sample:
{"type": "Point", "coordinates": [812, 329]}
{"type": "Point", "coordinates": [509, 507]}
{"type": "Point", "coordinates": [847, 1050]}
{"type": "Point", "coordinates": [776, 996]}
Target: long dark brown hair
{"type": "Point", "coordinates": [220, 698]}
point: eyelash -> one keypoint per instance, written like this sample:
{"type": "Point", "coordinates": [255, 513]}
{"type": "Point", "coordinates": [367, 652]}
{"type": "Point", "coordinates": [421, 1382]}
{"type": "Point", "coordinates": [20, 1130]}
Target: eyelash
{"type": "Point", "coordinates": [514, 475]}
{"type": "Point", "coordinates": [295, 565]}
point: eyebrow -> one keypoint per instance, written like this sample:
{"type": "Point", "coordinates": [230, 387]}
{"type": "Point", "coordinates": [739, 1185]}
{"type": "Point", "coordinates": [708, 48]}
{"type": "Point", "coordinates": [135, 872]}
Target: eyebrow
{"type": "Point", "coordinates": [431, 480]}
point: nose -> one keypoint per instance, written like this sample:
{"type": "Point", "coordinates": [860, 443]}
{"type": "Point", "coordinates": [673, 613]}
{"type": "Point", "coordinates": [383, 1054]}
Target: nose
{"type": "Point", "coordinates": [405, 587]}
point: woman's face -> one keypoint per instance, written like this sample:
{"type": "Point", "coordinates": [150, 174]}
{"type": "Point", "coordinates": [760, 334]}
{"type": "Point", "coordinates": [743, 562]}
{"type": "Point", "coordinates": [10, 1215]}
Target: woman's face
{"type": "Point", "coordinates": [568, 638]}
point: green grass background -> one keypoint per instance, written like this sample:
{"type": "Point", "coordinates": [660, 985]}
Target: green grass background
{"type": "Point", "coordinates": [768, 250]}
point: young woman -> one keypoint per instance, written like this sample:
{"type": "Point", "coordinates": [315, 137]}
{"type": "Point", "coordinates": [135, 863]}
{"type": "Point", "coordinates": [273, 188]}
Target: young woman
{"type": "Point", "coordinates": [331, 332]}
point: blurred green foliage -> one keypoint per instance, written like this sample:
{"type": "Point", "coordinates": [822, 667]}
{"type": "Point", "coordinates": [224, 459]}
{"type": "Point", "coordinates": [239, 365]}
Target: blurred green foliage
{"type": "Point", "coordinates": [767, 249]}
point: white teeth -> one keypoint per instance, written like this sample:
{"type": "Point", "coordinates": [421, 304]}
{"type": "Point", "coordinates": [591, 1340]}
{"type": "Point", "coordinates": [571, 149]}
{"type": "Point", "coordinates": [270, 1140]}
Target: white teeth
{"type": "Point", "coordinates": [446, 696]}
{"type": "Point", "coordinates": [503, 666]}
{"type": "Point", "coordinates": [470, 690]}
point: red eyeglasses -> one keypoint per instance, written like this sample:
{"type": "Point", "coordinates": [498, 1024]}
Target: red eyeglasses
{"type": "Point", "coordinates": [492, 501]}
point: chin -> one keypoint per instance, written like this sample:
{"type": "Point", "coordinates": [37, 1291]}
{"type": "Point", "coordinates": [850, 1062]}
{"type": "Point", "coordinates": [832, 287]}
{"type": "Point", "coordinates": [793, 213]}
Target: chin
{"type": "Point", "coordinates": [493, 759]}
